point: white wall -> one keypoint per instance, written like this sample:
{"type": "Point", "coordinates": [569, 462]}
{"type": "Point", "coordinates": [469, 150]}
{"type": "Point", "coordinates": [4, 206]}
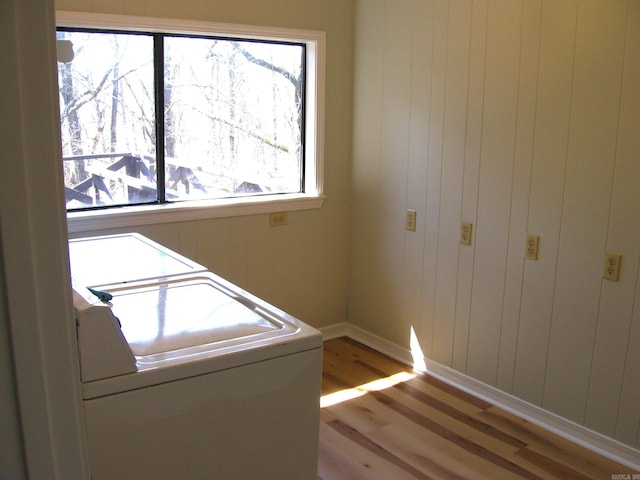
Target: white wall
{"type": "Point", "coordinates": [520, 116]}
{"type": "Point", "coordinates": [301, 267]}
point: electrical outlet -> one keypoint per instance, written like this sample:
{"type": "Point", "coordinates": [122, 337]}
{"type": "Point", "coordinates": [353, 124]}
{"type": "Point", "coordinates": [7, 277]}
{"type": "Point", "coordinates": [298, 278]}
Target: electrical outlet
{"type": "Point", "coordinates": [531, 251]}
{"type": "Point", "coordinates": [612, 266]}
{"type": "Point", "coordinates": [466, 233]}
{"type": "Point", "coordinates": [411, 220]}
{"type": "Point", "coordinates": [278, 219]}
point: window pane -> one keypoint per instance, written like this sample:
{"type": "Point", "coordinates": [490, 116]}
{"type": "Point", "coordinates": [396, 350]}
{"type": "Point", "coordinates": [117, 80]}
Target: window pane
{"type": "Point", "coordinates": [233, 117]}
{"type": "Point", "coordinates": [108, 119]}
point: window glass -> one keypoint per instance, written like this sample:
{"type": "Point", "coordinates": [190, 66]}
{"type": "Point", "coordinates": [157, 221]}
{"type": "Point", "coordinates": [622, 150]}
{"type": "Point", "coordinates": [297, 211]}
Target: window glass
{"type": "Point", "coordinates": [233, 117]}
{"type": "Point", "coordinates": [108, 119]}
{"type": "Point", "coordinates": [228, 114]}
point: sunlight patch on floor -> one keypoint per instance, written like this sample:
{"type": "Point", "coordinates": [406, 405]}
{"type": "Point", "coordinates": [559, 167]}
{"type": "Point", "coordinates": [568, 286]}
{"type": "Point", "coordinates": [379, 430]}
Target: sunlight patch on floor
{"type": "Point", "coordinates": [355, 392]}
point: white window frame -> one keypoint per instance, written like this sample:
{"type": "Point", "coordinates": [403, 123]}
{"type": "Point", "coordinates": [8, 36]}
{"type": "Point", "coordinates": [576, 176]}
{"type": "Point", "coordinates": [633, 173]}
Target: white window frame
{"type": "Point", "coordinates": [313, 196]}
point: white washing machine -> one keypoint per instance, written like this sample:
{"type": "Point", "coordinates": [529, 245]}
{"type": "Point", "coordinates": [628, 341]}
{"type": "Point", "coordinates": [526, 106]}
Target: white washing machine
{"type": "Point", "coordinates": [187, 376]}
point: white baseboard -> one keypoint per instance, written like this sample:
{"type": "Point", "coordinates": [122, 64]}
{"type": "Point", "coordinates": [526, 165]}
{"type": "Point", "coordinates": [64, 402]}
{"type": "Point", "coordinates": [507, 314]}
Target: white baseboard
{"type": "Point", "coordinates": [334, 331]}
{"type": "Point", "coordinates": [562, 427]}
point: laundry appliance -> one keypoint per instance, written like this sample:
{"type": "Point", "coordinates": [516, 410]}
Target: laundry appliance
{"type": "Point", "coordinates": [184, 374]}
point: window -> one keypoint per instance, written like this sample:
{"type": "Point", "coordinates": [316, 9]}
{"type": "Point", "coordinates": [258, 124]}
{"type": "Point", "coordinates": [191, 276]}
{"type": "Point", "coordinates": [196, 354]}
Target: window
{"type": "Point", "coordinates": [170, 120]}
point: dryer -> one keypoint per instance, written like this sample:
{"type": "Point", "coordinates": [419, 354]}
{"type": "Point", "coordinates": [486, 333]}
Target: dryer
{"type": "Point", "coordinates": [186, 375]}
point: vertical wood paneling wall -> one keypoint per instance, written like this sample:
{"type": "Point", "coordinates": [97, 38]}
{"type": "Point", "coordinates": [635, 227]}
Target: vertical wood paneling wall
{"type": "Point", "coordinates": [520, 116]}
{"type": "Point", "coordinates": [301, 267]}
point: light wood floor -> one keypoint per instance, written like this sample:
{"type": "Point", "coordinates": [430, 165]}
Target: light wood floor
{"type": "Point", "coordinates": [405, 425]}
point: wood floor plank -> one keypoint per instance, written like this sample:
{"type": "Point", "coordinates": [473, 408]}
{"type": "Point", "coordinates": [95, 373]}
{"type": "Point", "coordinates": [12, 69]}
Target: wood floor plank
{"type": "Point", "coordinates": [417, 426]}
{"type": "Point", "coordinates": [454, 437]}
{"type": "Point", "coordinates": [340, 457]}
{"type": "Point", "coordinates": [458, 415]}
{"type": "Point", "coordinates": [373, 447]}
{"type": "Point", "coordinates": [555, 447]}
{"type": "Point", "coordinates": [461, 404]}
{"type": "Point", "coordinates": [465, 425]}
{"type": "Point", "coordinates": [431, 384]}
{"type": "Point", "coordinates": [420, 442]}
{"type": "Point", "coordinates": [349, 373]}
{"type": "Point", "coordinates": [511, 449]}
{"type": "Point", "coordinates": [347, 350]}
{"type": "Point", "coordinates": [336, 463]}
{"type": "Point", "coordinates": [358, 414]}
{"type": "Point", "coordinates": [405, 444]}
{"type": "Point", "coordinates": [551, 468]}
{"type": "Point", "coordinates": [329, 385]}
{"type": "Point", "coordinates": [454, 392]}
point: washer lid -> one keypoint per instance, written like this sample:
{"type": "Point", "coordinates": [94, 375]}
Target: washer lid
{"type": "Point", "coordinates": [178, 317]}
{"type": "Point", "coordinates": [189, 310]}
{"type": "Point", "coordinates": [124, 258]}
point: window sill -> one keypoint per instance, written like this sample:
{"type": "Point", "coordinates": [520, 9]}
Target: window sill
{"type": "Point", "coordinates": [181, 212]}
